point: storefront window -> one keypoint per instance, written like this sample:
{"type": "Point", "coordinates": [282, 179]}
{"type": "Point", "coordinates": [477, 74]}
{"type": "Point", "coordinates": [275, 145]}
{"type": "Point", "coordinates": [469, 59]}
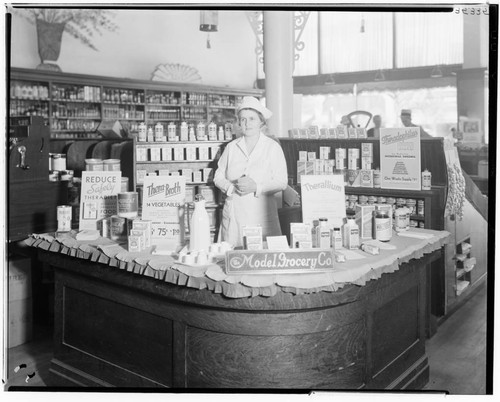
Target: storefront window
{"type": "Point", "coordinates": [435, 109]}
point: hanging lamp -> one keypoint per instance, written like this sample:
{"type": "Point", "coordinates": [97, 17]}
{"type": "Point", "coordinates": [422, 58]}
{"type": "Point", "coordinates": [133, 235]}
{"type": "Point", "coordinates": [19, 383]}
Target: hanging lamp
{"type": "Point", "coordinates": [208, 23]}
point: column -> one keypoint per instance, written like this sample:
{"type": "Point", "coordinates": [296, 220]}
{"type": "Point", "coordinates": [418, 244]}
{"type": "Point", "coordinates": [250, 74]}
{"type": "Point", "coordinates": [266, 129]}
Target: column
{"type": "Point", "coordinates": [278, 68]}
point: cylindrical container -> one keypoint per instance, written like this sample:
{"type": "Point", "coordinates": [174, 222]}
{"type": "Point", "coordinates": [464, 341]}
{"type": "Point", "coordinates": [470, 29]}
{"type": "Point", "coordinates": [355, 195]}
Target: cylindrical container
{"type": "Point", "coordinates": [63, 218]}
{"type": "Point", "coordinates": [372, 200]}
{"type": "Point", "coordinates": [104, 226]}
{"type": "Point", "coordinates": [142, 132]}
{"type": "Point", "coordinates": [383, 229]}
{"type": "Point", "coordinates": [67, 175]}
{"type": "Point", "coordinates": [381, 200]}
{"type": "Point", "coordinates": [400, 202]}
{"type": "Point", "coordinates": [124, 185]}
{"type": "Point", "coordinates": [171, 131]}
{"type": "Point", "coordinates": [421, 225]}
{"type": "Point", "coordinates": [57, 162]}
{"type": "Point", "coordinates": [111, 165]}
{"type": "Point", "coordinates": [401, 219]}
{"type": "Point", "coordinates": [200, 131]}
{"type": "Point", "coordinates": [413, 223]}
{"type": "Point", "coordinates": [421, 207]}
{"type": "Point", "coordinates": [411, 204]}
{"type": "Point", "coordinates": [54, 175]}
{"type": "Point", "coordinates": [363, 200]}
{"type": "Point", "coordinates": [159, 132]}
{"type": "Point", "coordinates": [353, 199]}
{"type": "Point", "coordinates": [212, 131]}
{"type": "Point", "coordinates": [426, 180]}
{"type": "Point", "coordinates": [377, 178]}
{"type": "Point", "coordinates": [199, 227]}
{"type": "Point", "coordinates": [128, 204]}
{"type": "Point", "coordinates": [94, 165]}
{"type": "Point", "coordinates": [351, 234]}
{"type": "Point", "coordinates": [118, 228]}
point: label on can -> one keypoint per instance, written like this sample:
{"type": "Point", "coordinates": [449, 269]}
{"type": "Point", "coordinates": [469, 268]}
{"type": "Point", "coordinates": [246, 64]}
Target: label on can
{"type": "Point", "coordinates": [94, 165]}
{"type": "Point", "coordinates": [383, 230]}
{"type": "Point", "coordinates": [57, 162]}
{"type": "Point", "coordinates": [401, 219]}
{"type": "Point", "coordinates": [420, 207]}
{"type": "Point", "coordinates": [128, 204]}
{"type": "Point", "coordinates": [111, 165]}
{"type": "Point", "coordinates": [64, 218]}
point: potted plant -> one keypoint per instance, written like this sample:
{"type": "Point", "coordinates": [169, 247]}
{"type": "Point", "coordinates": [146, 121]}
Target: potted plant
{"type": "Point", "coordinates": [52, 22]}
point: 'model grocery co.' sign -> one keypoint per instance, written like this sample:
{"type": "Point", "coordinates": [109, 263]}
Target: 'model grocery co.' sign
{"type": "Point", "coordinates": [279, 262]}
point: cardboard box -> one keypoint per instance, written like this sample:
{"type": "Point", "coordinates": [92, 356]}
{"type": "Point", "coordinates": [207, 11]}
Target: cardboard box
{"type": "Point", "coordinates": [364, 220]}
{"type": "Point", "coordinates": [19, 279]}
{"type": "Point", "coordinates": [20, 321]}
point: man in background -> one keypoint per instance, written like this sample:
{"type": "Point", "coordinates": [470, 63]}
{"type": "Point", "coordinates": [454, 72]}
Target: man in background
{"type": "Point", "coordinates": [406, 120]}
{"type": "Point", "coordinates": [374, 132]}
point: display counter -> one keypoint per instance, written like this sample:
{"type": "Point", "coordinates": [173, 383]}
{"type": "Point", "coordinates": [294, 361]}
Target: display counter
{"type": "Point", "coordinates": [130, 320]}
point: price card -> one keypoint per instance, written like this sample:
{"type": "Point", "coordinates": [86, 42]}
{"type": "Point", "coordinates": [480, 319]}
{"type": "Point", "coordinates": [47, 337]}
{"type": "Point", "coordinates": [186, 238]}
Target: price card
{"type": "Point", "coordinates": [163, 200]}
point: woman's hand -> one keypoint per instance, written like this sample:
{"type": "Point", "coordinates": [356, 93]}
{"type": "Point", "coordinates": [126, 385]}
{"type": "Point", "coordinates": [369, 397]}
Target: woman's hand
{"type": "Point", "coordinates": [245, 185]}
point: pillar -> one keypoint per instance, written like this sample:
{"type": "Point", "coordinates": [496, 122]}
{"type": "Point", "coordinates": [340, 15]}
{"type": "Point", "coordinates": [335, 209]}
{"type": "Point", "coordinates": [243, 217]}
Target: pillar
{"type": "Point", "coordinates": [278, 68]}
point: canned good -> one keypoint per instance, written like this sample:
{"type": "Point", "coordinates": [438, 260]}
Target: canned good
{"type": "Point", "coordinates": [381, 200]}
{"type": "Point", "coordinates": [383, 230]}
{"type": "Point", "coordinates": [372, 200]}
{"type": "Point", "coordinates": [63, 218]}
{"type": "Point", "coordinates": [57, 162]}
{"type": "Point", "coordinates": [421, 207]}
{"type": "Point", "coordinates": [377, 178]}
{"type": "Point", "coordinates": [421, 225]}
{"type": "Point", "coordinates": [54, 175]}
{"type": "Point", "coordinates": [401, 219]}
{"type": "Point", "coordinates": [363, 200]}
{"type": "Point", "coordinates": [94, 165]}
{"type": "Point", "coordinates": [128, 204]}
{"type": "Point", "coordinates": [412, 206]}
{"type": "Point", "coordinates": [111, 165]}
{"type": "Point", "coordinates": [413, 223]}
{"type": "Point", "coordinates": [353, 199]}
{"type": "Point", "coordinates": [400, 202]}
{"type": "Point", "coordinates": [118, 228]}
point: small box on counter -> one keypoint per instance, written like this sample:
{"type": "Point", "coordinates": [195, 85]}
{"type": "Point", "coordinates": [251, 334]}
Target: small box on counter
{"type": "Point", "coordinates": [311, 156]}
{"type": "Point", "coordinates": [366, 162]}
{"type": "Point", "coordinates": [141, 174]}
{"type": "Point", "coordinates": [366, 178]}
{"type": "Point", "coordinates": [188, 174]}
{"type": "Point", "coordinates": [178, 153]}
{"type": "Point", "coordinates": [155, 154]}
{"type": "Point", "coordinates": [203, 153]}
{"type": "Point", "coordinates": [341, 131]}
{"type": "Point", "coordinates": [189, 194]}
{"type": "Point", "coordinates": [300, 233]}
{"type": "Point", "coordinates": [364, 220]}
{"type": "Point", "coordinates": [303, 156]}
{"type": "Point", "coordinates": [367, 149]}
{"type": "Point", "coordinates": [135, 244]}
{"type": "Point", "coordinates": [252, 237]}
{"type": "Point", "coordinates": [141, 154]}
{"type": "Point", "coordinates": [163, 172]}
{"type": "Point", "coordinates": [361, 132]}
{"type": "Point", "coordinates": [197, 176]}
{"type": "Point", "coordinates": [351, 133]}
{"type": "Point", "coordinates": [145, 226]}
{"type": "Point", "coordinates": [309, 167]}
{"type": "Point", "coordinates": [294, 133]}
{"type": "Point", "coordinates": [190, 152]}
{"type": "Point", "coordinates": [166, 154]}
{"type": "Point", "coordinates": [324, 152]}
{"type": "Point", "coordinates": [332, 132]}
{"type": "Point", "coordinates": [323, 133]}
{"type": "Point", "coordinates": [313, 132]}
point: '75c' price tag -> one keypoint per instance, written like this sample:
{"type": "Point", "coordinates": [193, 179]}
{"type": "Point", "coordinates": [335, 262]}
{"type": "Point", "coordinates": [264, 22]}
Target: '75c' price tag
{"type": "Point", "coordinates": [163, 230]}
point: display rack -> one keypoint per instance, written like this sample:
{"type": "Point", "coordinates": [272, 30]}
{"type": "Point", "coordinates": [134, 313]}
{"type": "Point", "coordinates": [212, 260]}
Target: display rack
{"type": "Point", "coordinates": [73, 105]}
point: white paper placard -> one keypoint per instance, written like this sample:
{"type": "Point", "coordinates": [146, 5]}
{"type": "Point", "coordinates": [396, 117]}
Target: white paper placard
{"type": "Point", "coordinates": [163, 200]}
{"type": "Point", "coordinates": [323, 196]}
{"type": "Point", "coordinates": [98, 197]}
{"type": "Point", "coordinates": [400, 158]}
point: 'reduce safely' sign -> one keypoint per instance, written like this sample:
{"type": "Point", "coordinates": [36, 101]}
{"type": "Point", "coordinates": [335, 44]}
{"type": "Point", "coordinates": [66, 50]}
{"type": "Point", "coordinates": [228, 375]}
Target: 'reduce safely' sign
{"type": "Point", "coordinates": [279, 261]}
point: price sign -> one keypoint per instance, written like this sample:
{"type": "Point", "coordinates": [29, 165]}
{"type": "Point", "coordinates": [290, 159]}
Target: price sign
{"type": "Point", "coordinates": [163, 200]}
{"type": "Point", "coordinates": [98, 197]}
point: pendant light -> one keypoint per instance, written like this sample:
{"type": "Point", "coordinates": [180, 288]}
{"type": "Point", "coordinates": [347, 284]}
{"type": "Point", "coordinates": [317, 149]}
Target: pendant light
{"type": "Point", "coordinates": [208, 23]}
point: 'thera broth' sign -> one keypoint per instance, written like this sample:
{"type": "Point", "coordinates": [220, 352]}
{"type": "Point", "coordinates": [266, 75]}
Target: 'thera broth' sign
{"type": "Point", "coordinates": [400, 158]}
{"type": "Point", "coordinates": [279, 262]}
{"type": "Point", "coordinates": [98, 197]}
{"type": "Point", "coordinates": [163, 204]}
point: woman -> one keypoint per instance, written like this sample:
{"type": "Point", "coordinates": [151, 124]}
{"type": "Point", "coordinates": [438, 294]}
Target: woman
{"type": "Point", "coordinates": [250, 171]}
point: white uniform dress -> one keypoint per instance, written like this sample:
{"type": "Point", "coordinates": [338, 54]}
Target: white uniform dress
{"type": "Point", "coordinates": [266, 165]}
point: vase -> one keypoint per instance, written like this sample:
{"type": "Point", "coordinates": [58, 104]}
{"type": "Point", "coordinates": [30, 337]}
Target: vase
{"type": "Point", "coordinates": [49, 43]}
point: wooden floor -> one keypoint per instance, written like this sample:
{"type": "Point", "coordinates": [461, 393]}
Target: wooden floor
{"type": "Point", "coordinates": [457, 354]}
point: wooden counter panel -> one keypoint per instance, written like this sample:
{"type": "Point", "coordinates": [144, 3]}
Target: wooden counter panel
{"type": "Point", "coordinates": [329, 359]}
{"type": "Point", "coordinates": [132, 339]}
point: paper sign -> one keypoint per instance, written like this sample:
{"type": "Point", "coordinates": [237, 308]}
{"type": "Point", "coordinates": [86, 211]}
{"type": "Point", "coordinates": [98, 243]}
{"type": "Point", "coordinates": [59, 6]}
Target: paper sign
{"type": "Point", "coordinates": [163, 200]}
{"type": "Point", "coordinates": [400, 158]}
{"type": "Point", "coordinates": [98, 197]}
{"type": "Point", "coordinates": [323, 196]}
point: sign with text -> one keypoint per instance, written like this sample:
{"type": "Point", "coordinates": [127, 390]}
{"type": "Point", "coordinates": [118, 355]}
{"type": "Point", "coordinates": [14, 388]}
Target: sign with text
{"type": "Point", "coordinates": [279, 262]}
{"type": "Point", "coordinates": [98, 197]}
{"type": "Point", "coordinates": [323, 196]}
{"type": "Point", "coordinates": [163, 200]}
{"type": "Point", "coordinates": [400, 158]}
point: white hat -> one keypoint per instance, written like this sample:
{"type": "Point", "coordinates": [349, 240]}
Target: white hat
{"type": "Point", "coordinates": [249, 102]}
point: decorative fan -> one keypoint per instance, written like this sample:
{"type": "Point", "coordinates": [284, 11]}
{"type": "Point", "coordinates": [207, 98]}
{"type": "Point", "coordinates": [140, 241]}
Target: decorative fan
{"type": "Point", "coordinates": [175, 73]}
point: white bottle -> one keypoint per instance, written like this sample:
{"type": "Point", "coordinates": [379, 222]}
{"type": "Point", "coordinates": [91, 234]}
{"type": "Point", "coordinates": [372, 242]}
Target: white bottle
{"type": "Point", "coordinates": [199, 227]}
{"type": "Point", "coordinates": [351, 234]}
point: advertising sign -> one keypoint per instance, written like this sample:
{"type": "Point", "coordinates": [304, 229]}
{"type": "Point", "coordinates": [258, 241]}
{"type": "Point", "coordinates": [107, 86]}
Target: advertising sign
{"type": "Point", "coordinates": [323, 196]}
{"type": "Point", "coordinates": [163, 200]}
{"type": "Point", "coordinates": [98, 197]}
{"type": "Point", "coordinates": [400, 158]}
{"type": "Point", "coordinates": [279, 262]}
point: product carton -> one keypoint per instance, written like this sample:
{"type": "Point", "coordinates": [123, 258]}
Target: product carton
{"type": "Point", "coordinates": [366, 178]}
{"type": "Point", "coordinates": [364, 220]}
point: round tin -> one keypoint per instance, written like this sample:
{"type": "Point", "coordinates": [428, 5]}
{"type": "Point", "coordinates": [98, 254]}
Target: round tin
{"type": "Point", "coordinates": [383, 230]}
{"type": "Point", "coordinates": [420, 207]}
{"type": "Point", "coordinates": [57, 162]}
{"type": "Point", "coordinates": [63, 218]}
{"type": "Point", "coordinates": [94, 165]}
{"type": "Point", "coordinates": [412, 206]}
{"type": "Point", "coordinates": [124, 185]}
{"type": "Point", "coordinates": [363, 200]}
{"type": "Point", "coordinates": [372, 200]}
{"type": "Point", "coordinates": [128, 204]}
{"type": "Point", "coordinates": [401, 219]}
{"type": "Point", "coordinates": [111, 165]}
